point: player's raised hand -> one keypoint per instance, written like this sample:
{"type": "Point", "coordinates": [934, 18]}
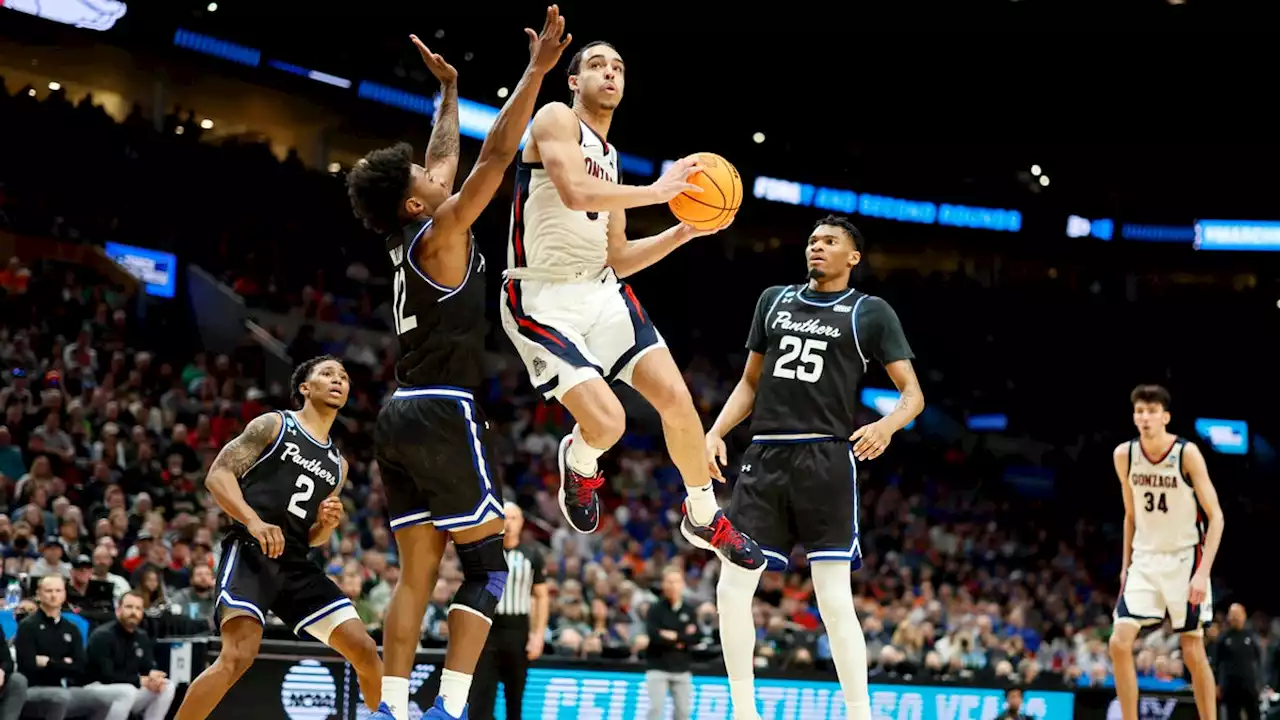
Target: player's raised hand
{"type": "Point", "coordinates": [676, 179]}
{"type": "Point", "coordinates": [443, 71]}
{"type": "Point", "coordinates": [717, 457]}
{"type": "Point", "coordinates": [870, 441]}
{"type": "Point", "coordinates": [331, 512]}
{"type": "Point", "coordinates": [270, 538]}
{"type": "Point", "coordinates": [689, 232]}
{"type": "Point", "coordinates": [545, 47]}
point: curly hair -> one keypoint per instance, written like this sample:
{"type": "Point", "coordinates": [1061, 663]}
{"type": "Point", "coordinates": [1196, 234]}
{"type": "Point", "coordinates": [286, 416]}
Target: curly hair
{"type": "Point", "coordinates": [377, 186]}
{"type": "Point", "coordinates": [843, 223]}
{"type": "Point", "coordinates": [302, 373]}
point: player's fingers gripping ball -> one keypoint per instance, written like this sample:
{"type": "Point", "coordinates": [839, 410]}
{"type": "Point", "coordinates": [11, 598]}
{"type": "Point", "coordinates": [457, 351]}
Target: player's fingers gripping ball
{"type": "Point", "coordinates": [721, 195]}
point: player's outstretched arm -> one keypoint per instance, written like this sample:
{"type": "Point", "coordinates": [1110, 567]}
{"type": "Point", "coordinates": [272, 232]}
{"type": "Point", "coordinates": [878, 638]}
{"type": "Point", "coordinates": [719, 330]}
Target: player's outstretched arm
{"type": "Point", "coordinates": [1120, 458]}
{"type": "Point", "coordinates": [555, 130]}
{"type": "Point", "coordinates": [444, 146]}
{"type": "Point", "coordinates": [460, 211]}
{"type": "Point", "coordinates": [628, 257]}
{"type": "Point", "coordinates": [736, 409]}
{"type": "Point", "coordinates": [234, 461]}
{"type": "Point", "coordinates": [1198, 471]}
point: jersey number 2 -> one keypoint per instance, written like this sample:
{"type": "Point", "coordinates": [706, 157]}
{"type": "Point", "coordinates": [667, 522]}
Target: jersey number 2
{"type": "Point", "coordinates": [809, 353]}
{"type": "Point", "coordinates": [308, 488]}
{"type": "Point", "coordinates": [1153, 504]}
{"type": "Point", "coordinates": [398, 295]}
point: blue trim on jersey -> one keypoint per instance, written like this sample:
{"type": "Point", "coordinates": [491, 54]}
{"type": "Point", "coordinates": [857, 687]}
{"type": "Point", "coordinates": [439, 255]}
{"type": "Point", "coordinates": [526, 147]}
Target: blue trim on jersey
{"type": "Point", "coordinates": [489, 502]}
{"type": "Point", "coordinates": [436, 391]}
{"type": "Point", "coordinates": [410, 519]}
{"type": "Point", "coordinates": [272, 450]}
{"type": "Point", "coordinates": [791, 441]}
{"type": "Point", "coordinates": [785, 289]}
{"type": "Point", "coordinates": [801, 298]}
{"type": "Point", "coordinates": [292, 416]}
{"type": "Point", "coordinates": [448, 291]}
{"type": "Point", "coordinates": [546, 336]}
{"type": "Point", "coordinates": [853, 323]}
{"type": "Point", "coordinates": [853, 555]}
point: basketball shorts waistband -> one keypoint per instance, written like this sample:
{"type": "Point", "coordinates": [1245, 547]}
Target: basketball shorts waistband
{"type": "Point", "coordinates": [433, 391]}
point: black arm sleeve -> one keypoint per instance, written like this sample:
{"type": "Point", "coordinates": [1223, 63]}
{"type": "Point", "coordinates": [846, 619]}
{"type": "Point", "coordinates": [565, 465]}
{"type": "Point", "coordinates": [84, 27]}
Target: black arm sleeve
{"type": "Point", "coordinates": [880, 332]}
{"type": "Point", "coordinates": [758, 338]}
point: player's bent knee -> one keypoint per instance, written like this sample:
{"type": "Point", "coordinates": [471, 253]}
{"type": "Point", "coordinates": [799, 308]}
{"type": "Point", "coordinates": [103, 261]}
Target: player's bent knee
{"type": "Point", "coordinates": [598, 412]}
{"type": "Point", "coordinates": [323, 628]}
{"type": "Point", "coordinates": [1123, 636]}
{"type": "Point", "coordinates": [484, 575]}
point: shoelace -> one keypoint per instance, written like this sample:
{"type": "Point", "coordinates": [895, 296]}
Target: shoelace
{"type": "Point", "coordinates": [585, 487]}
{"type": "Point", "coordinates": [725, 534]}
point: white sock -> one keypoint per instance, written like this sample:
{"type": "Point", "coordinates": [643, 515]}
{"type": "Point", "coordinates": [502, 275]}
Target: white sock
{"type": "Point", "coordinates": [734, 592]}
{"type": "Point", "coordinates": [395, 693]}
{"type": "Point", "coordinates": [834, 588]}
{"type": "Point", "coordinates": [454, 688]}
{"type": "Point", "coordinates": [581, 457]}
{"type": "Point", "coordinates": [702, 503]}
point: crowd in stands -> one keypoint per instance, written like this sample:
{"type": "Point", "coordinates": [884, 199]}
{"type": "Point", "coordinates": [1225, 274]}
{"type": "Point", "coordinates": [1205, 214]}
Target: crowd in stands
{"type": "Point", "coordinates": [109, 424]}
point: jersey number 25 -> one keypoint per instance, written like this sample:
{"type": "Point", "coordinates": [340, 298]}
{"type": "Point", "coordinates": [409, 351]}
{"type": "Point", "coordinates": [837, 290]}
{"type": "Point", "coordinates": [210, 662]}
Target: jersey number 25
{"type": "Point", "coordinates": [801, 359]}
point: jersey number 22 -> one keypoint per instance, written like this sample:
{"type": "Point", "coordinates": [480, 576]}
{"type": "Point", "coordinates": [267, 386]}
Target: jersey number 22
{"type": "Point", "coordinates": [404, 323]}
{"type": "Point", "coordinates": [801, 359]}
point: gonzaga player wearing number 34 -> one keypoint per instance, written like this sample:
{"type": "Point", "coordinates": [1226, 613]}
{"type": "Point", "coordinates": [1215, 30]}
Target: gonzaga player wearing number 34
{"type": "Point", "coordinates": [1172, 528]}
{"type": "Point", "coordinates": [810, 346]}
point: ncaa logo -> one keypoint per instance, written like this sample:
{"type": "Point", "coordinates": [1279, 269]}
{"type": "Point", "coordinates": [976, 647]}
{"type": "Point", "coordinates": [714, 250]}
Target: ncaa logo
{"type": "Point", "coordinates": [308, 692]}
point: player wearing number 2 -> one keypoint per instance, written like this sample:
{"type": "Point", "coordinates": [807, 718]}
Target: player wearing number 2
{"type": "Point", "coordinates": [432, 440]}
{"type": "Point", "coordinates": [1172, 529]}
{"type": "Point", "coordinates": [280, 481]}
{"type": "Point", "coordinates": [809, 348]}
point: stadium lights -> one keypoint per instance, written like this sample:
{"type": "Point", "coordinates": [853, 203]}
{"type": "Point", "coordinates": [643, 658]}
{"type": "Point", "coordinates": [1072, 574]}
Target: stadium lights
{"type": "Point", "coordinates": [179, 130]}
{"type": "Point", "coordinates": [1035, 169]}
{"type": "Point", "coordinates": [31, 92]}
{"type": "Point", "coordinates": [207, 124]}
{"type": "Point", "coordinates": [758, 137]}
{"type": "Point", "coordinates": [55, 86]}
{"type": "Point", "coordinates": [1044, 181]}
{"type": "Point", "coordinates": [213, 7]}
{"type": "Point", "coordinates": [335, 168]}
{"type": "Point", "coordinates": [502, 92]}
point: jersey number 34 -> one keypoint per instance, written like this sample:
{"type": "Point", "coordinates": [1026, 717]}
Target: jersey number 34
{"type": "Point", "coordinates": [801, 359]}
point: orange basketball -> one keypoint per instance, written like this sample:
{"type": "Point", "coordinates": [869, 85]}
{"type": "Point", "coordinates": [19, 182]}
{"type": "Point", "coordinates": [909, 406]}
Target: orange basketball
{"type": "Point", "coordinates": [719, 200]}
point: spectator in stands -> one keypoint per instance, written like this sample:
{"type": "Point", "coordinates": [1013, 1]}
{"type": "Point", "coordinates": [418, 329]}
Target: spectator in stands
{"type": "Point", "coordinates": [121, 666]}
{"type": "Point", "coordinates": [1013, 705]}
{"type": "Point", "coordinates": [103, 561]}
{"type": "Point", "coordinates": [672, 630]}
{"type": "Point", "coordinates": [51, 561]}
{"type": "Point", "coordinates": [50, 652]}
{"type": "Point", "coordinates": [13, 684]}
{"type": "Point", "coordinates": [197, 601]}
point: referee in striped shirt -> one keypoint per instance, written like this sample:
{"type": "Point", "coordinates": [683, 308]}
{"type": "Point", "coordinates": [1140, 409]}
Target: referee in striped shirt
{"type": "Point", "coordinates": [519, 625]}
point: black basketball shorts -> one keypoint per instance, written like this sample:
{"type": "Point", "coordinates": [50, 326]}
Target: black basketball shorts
{"type": "Point", "coordinates": [802, 492]}
{"type": "Point", "coordinates": [291, 586]}
{"type": "Point", "coordinates": [432, 445]}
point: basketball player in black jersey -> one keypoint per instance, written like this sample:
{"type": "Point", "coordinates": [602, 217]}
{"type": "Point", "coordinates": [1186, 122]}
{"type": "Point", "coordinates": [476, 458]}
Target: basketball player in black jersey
{"type": "Point", "coordinates": [280, 481]}
{"type": "Point", "coordinates": [432, 438]}
{"type": "Point", "coordinates": [810, 346]}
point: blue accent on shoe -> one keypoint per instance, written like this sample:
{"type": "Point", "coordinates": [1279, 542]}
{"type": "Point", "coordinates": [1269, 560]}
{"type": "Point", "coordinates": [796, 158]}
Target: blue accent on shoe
{"type": "Point", "coordinates": [382, 713]}
{"type": "Point", "coordinates": [437, 712]}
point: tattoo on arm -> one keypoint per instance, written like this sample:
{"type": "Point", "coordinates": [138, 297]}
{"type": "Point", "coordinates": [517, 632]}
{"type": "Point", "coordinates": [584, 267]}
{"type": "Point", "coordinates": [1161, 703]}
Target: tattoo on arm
{"type": "Point", "coordinates": [444, 143]}
{"type": "Point", "coordinates": [241, 453]}
{"type": "Point", "coordinates": [905, 398]}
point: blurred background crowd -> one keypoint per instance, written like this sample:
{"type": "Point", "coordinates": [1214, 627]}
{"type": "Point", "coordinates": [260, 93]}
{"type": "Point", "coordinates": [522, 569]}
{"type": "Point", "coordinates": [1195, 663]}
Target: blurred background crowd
{"type": "Point", "coordinates": [990, 557]}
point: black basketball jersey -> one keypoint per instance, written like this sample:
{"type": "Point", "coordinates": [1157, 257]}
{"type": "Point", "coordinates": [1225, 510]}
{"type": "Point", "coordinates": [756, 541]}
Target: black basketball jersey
{"type": "Point", "coordinates": [441, 330]}
{"type": "Point", "coordinates": [816, 349]}
{"type": "Point", "coordinates": [287, 484]}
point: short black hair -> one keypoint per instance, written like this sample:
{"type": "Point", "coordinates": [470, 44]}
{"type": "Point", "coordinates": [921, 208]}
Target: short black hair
{"type": "Point", "coordinates": [302, 373]}
{"type": "Point", "coordinates": [377, 186]}
{"type": "Point", "coordinates": [1155, 394]}
{"type": "Point", "coordinates": [843, 223]}
{"type": "Point", "coordinates": [575, 63]}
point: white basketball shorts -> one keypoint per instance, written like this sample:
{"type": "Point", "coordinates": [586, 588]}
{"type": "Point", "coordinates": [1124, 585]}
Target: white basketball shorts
{"type": "Point", "coordinates": [1157, 586]}
{"type": "Point", "coordinates": [569, 332]}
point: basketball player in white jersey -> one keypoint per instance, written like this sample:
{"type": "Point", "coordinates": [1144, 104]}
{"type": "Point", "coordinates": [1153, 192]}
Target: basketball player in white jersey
{"type": "Point", "coordinates": [576, 325]}
{"type": "Point", "coordinates": [1172, 529]}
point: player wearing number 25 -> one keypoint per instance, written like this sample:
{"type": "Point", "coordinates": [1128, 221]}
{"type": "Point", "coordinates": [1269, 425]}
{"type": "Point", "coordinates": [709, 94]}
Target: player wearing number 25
{"type": "Point", "coordinates": [280, 481]}
{"type": "Point", "coordinates": [810, 346]}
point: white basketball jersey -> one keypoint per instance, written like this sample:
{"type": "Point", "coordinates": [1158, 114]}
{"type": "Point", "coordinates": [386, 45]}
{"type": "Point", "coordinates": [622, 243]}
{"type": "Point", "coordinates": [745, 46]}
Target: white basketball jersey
{"type": "Point", "coordinates": [1168, 517]}
{"type": "Point", "coordinates": [545, 234]}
